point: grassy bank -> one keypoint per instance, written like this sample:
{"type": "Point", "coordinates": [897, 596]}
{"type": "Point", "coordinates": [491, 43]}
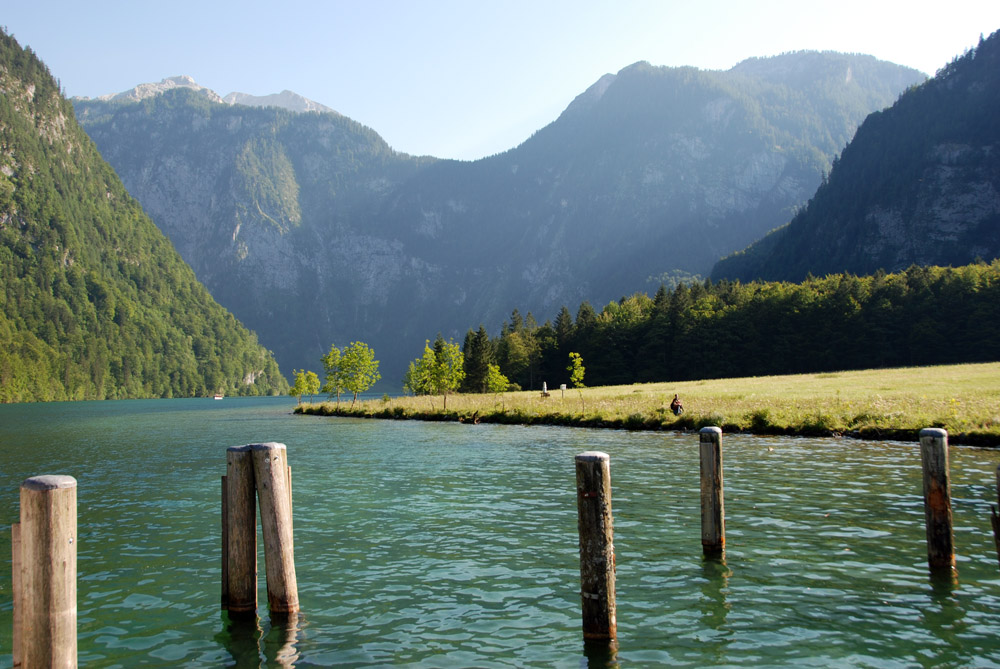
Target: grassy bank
{"type": "Point", "coordinates": [871, 404]}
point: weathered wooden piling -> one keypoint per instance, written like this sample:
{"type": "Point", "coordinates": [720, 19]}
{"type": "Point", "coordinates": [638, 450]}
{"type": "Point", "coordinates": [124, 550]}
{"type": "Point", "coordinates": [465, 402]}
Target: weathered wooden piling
{"type": "Point", "coordinates": [45, 597]}
{"type": "Point", "coordinates": [937, 498]}
{"type": "Point", "coordinates": [240, 582]}
{"type": "Point", "coordinates": [597, 549]}
{"type": "Point", "coordinates": [15, 583]}
{"type": "Point", "coordinates": [225, 544]}
{"type": "Point", "coordinates": [995, 519]}
{"type": "Point", "coordinates": [271, 473]}
{"type": "Point", "coordinates": [713, 517]}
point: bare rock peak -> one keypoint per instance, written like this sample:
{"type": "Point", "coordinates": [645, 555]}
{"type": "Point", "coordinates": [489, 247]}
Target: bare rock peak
{"type": "Point", "coordinates": [285, 99]}
{"type": "Point", "coordinates": [143, 91]}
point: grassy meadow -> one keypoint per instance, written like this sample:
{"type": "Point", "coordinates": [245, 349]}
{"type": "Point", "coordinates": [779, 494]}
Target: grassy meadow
{"type": "Point", "coordinates": [870, 404]}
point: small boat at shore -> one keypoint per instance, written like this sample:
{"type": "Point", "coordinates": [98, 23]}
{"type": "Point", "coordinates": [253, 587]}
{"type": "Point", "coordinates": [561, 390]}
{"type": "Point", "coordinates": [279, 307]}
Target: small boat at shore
{"type": "Point", "coordinates": [218, 396]}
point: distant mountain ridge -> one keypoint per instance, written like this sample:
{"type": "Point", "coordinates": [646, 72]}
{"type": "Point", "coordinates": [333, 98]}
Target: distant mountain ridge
{"type": "Point", "coordinates": [314, 231]}
{"type": "Point", "coordinates": [918, 185]}
{"type": "Point", "coordinates": [283, 100]}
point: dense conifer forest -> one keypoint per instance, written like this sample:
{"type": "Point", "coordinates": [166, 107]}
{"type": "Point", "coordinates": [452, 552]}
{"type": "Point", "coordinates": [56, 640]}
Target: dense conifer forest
{"type": "Point", "coordinates": [922, 316]}
{"type": "Point", "coordinates": [96, 303]}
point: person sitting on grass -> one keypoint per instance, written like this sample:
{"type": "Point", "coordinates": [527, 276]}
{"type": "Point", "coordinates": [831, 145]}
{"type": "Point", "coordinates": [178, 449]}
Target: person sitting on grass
{"type": "Point", "coordinates": [676, 407]}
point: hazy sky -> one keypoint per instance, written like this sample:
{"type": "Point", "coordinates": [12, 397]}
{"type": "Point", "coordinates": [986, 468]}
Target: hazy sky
{"type": "Point", "coordinates": [467, 78]}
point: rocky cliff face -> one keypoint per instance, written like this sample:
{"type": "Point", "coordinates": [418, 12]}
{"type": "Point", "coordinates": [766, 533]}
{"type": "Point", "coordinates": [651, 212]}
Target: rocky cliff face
{"type": "Point", "coordinates": [919, 184]}
{"type": "Point", "coordinates": [313, 231]}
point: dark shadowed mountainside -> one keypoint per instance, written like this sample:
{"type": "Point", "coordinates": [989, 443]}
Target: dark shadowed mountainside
{"type": "Point", "coordinates": [918, 185]}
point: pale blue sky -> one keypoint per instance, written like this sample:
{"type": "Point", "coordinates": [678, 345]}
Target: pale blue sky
{"type": "Point", "coordinates": [460, 79]}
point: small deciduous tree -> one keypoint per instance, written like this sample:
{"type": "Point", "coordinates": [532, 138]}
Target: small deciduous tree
{"type": "Point", "coordinates": [496, 382]}
{"type": "Point", "coordinates": [576, 370]}
{"type": "Point", "coordinates": [439, 372]}
{"type": "Point", "coordinates": [334, 377]}
{"type": "Point", "coordinates": [358, 369]}
{"type": "Point", "coordinates": [418, 374]}
{"type": "Point", "coordinates": [306, 383]}
{"type": "Point", "coordinates": [449, 370]}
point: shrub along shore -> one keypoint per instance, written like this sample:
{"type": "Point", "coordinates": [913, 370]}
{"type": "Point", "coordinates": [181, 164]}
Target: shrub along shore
{"type": "Point", "coordinates": [882, 404]}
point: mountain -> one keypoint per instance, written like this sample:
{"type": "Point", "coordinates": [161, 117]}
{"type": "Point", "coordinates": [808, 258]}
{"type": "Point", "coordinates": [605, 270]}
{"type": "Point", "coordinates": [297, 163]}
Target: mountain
{"type": "Point", "coordinates": [918, 185]}
{"type": "Point", "coordinates": [143, 91]}
{"type": "Point", "coordinates": [314, 231]}
{"type": "Point", "coordinates": [95, 302]}
{"type": "Point", "coordinates": [283, 100]}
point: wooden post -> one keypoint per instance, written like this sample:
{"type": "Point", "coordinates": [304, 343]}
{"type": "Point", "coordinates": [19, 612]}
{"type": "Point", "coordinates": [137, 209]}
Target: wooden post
{"type": "Point", "coordinates": [241, 533]}
{"type": "Point", "coordinates": [713, 516]}
{"type": "Point", "coordinates": [225, 545]}
{"type": "Point", "coordinates": [597, 549]}
{"type": "Point", "coordinates": [937, 498]}
{"type": "Point", "coordinates": [291, 511]}
{"type": "Point", "coordinates": [270, 463]}
{"type": "Point", "coordinates": [48, 538]}
{"type": "Point", "coordinates": [996, 518]}
{"type": "Point", "coordinates": [15, 578]}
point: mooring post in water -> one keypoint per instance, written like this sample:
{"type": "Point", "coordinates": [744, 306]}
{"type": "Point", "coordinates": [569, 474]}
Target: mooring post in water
{"type": "Point", "coordinates": [713, 516]}
{"type": "Point", "coordinates": [15, 583]}
{"type": "Point", "coordinates": [272, 476]}
{"type": "Point", "coordinates": [240, 581]}
{"type": "Point", "coordinates": [937, 498]}
{"type": "Point", "coordinates": [45, 596]}
{"type": "Point", "coordinates": [996, 518]}
{"type": "Point", "coordinates": [597, 548]}
{"type": "Point", "coordinates": [225, 544]}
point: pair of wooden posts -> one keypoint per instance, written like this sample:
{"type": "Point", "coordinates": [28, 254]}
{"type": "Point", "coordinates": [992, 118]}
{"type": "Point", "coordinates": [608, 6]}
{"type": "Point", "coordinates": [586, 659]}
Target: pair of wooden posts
{"type": "Point", "coordinates": [597, 558]}
{"type": "Point", "coordinates": [595, 525]}
{"type": "Point", "coordinates": [261, 471]}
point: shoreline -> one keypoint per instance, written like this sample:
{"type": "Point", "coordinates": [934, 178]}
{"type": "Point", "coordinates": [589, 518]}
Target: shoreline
{"type": "Point", "coordinates": [874, 405]}
{"type": "Point", "coordinates": [869, 433]}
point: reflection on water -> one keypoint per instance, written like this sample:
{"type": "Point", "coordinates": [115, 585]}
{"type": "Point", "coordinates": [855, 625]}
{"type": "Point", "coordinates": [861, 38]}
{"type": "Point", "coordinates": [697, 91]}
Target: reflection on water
{"type": "Point", "coordinates": [714, 587]}
{"type": "Point", "coordinates": [261, 642]}
{"type": "Point", "coordinates": [456, 545]}
{"type": "Point", "coordinates": [599, 653]}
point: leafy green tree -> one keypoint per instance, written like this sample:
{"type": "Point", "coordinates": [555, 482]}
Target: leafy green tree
{"type": "Point", "coordinates": [439, 372]}
{"type": "Point", "coordinates": [359, 369]}
{"type": "Point", "coordinates": [576, 370]}
{"type": "Point", "coordinates": [306, 383]}
{"type": "Point", "coordinates": [334, 376]}
{"type": "Point", "coordinates": [448, 370]}
{"type": "Point", "coordinates": [418, 375]}
{"type": "Point", "coordinates": [496, 382]}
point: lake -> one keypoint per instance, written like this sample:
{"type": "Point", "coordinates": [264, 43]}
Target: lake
{"type": "Point", "coordinates": [456, 545]}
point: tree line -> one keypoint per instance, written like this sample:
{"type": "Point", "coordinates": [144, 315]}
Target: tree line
{"type": "Point", "coordinates": [702, 330]}
{"type": "Point", "coordinates": [921, 316]}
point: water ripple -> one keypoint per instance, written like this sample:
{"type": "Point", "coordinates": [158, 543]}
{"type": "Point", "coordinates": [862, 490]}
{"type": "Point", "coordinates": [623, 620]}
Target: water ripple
{"type": "Point", "coordinates": [451, 545]}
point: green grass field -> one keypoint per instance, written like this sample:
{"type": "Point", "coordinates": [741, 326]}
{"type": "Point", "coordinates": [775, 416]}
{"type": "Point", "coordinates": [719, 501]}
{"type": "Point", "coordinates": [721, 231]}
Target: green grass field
{"type": "Point", "coordinates": [872, 404]}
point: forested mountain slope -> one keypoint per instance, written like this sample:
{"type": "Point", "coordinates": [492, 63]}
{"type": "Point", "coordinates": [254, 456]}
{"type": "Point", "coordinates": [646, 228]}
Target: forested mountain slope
{"type": "Point", "coordinates": [919, 184]}
{"type": "Point", "coordinates": [94, 300]}
{"type": "Point", "coordinates": [314, 231]}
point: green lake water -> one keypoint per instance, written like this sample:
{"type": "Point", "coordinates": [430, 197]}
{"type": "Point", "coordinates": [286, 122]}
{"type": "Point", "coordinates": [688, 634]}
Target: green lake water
{"type": "Point", "coordinates": [449, 545]}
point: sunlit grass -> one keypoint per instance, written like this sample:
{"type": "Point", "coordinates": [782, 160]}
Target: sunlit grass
{"type": "Point", "coordinates": [880, 403]}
